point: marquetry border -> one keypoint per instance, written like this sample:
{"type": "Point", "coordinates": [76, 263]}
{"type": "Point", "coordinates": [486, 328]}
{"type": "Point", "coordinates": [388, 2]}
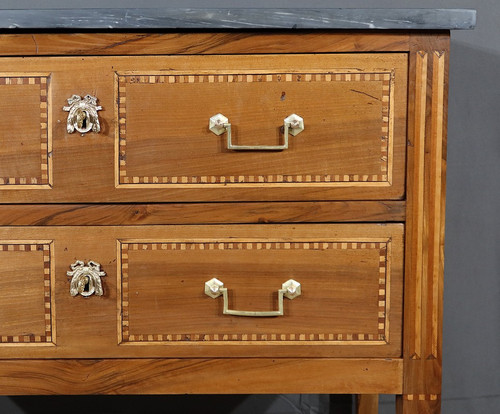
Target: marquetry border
{"type": "Point", "coordinates": [386, 138]}
{"type": "Point", "coordinates": [382, 336]}
{"type": "Point", "coordinates": [44, 180]}
{"type": "Point", "coordinates": [421, 397]}
{"type": "Point", "coordinates": [48, 285]}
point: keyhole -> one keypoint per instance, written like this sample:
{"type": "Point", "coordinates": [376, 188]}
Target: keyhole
{"type": "Point", "coordinates": [84, 285]}
{"type": "Point", "coordinates": [81, 119]}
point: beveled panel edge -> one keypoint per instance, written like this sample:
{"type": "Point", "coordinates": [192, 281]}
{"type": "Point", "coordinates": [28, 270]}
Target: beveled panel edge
{"type": "Point", "coordinates": [45, 179]}
{"type": "Point", "coordinates": [49, 339]}
{"type": "Point", "coordinates": [383, 179]}
{"type": "Point", "coordinates": [382, 338]}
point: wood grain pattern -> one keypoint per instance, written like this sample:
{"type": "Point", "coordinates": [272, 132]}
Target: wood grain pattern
{"type": "Point", "coordinates": [436, 201]}
{"type": "Point", "coordinates": [25, 131]}
{"type": "Point", "coordinates": [165, 262]}
{"type": "Point", "coordinates": [343, 139]}
{"type": "Point", "coordinates": [289, 82]}
{"type": "Point", "coordinates": [200, 376]}
{"type": "Point", "coordinates": [420, 124]}
{"type": "Point", "coordinates": [27, 313]}
{"type": "Point", "coordinates": [58, 44]}
{"type": "Point", "coordinates": [425, 223]}
{"type": "Point", "coordinates": [408, 157]}
{"type": "Point", "coordinates": [341, 290]}
{"type": "Point", "coordinates": [367, 404]}
{"type": "Point", "coordinates": [202, 213]}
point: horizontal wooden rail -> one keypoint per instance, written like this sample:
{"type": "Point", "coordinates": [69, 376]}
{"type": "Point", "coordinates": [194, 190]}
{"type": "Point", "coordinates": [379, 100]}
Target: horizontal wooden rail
{"type": "Point", "coordinates": [207, 376]}
{"type": "Point", "coordinates": [201, 213]}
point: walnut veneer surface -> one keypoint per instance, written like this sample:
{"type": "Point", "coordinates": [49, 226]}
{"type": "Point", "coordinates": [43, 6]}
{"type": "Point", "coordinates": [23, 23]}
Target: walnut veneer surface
{"type": "Point", "coordinates": [353, 210]}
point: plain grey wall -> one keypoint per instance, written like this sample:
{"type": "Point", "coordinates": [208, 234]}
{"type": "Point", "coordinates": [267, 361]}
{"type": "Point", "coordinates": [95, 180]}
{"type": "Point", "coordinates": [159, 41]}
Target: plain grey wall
{"type": "Point", "coordinates": [471, 365]}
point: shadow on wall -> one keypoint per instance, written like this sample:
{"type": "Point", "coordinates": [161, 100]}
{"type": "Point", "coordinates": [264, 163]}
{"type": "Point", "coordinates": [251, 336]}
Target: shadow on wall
{"type": "Point", "coordinates": [180, 404]}
{"type": "Point", "coordinates": [471, 367]}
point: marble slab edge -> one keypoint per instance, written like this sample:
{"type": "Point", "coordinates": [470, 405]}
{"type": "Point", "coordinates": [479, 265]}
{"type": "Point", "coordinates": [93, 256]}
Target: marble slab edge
{"type": "Point", "coordinates": [235, 18]}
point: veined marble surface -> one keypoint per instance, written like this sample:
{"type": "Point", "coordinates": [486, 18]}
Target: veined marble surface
{"type": "Point", "coordinates": [249, 18]}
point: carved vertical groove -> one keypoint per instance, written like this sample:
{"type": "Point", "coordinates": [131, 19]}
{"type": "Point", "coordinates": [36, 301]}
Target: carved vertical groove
{"type": "Point", "coordinates": [435, 259]}
{"type": "Point", "coordinates": [429, 137]}
{"type": "Point", "coordinates": [420, 124]}
{"type": "Point", "coordinates": [425, 224]}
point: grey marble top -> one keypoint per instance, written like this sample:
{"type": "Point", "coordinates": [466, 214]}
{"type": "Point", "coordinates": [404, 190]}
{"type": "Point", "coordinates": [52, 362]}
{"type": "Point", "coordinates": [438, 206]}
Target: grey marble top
{"type": "Point", "coordinates": [234, 18]}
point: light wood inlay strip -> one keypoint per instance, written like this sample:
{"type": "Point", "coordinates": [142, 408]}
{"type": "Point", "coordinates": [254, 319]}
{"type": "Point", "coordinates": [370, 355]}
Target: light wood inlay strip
{"type": "Point", "coordinates": [436, 174]}
{"type": "Point", "coordinates": [387, 285]}
{"type": "Point", "coordinates": [52, 290]}
{"type": "Point", "coordinates": [124, 332]}
{"type": "Point", "coordinates": [49, 106]}
{"type": "Point", "coordinates": [232, 244]}
{"type": "Point", "coordinates": [389, 141]}
{"type": "Point", "coordinates": [119, 292]}
{"type": "Point", "coordinates": [44, 105]}
{"type": "Point", "coordinates": [420, 397]}
{"type": "Point", "coordinates": [420, 114]}
{"type": "Point", "coordinates": [118, 90]}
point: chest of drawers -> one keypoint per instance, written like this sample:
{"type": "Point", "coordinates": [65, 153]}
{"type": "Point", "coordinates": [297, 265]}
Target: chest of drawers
{"type": "Point", "coordinates": [223, 212]}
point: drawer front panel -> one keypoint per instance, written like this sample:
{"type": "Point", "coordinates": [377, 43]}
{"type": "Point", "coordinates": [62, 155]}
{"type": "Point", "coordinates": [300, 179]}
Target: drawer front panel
{"type": "Point", "coordinates": [26, 293]}
{"type": "Point", "coordinates": [344, 290]}
{"type": "Point", "coordinates": [154, 302]}
{"type": "Point", "coordinates": [25, 134]}
{"type": "Point", "coordinates": [155, 143]}
{"type": "Point", "coordinates": [348, 131]}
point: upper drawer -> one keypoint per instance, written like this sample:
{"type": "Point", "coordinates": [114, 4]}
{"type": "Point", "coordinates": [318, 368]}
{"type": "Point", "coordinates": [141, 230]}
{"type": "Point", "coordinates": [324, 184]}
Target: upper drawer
{"type": "Point", "coordinates": [155, 143]}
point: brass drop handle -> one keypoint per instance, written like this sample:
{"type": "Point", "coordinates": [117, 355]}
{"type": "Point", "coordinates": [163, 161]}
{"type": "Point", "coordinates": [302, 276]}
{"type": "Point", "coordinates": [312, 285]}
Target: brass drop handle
{"type": "Point", "coordinates": [82, 115]}
{"type": "Point", "coordinates": [292, 125]}
{"type": "Point", "coordinates": [86, 279]}
{"type": "Point", "coordinates": [290, 289]}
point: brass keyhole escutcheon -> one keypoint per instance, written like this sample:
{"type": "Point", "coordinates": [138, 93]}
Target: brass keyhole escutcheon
{"type": "Point", "coordinates": [86, 279]}
{"type": "Point", "coordinates": [82, 116]}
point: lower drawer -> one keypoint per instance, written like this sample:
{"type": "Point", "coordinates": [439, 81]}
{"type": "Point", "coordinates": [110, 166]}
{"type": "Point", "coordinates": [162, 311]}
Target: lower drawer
{"type": "Point", "coordinates": [160, 298]}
